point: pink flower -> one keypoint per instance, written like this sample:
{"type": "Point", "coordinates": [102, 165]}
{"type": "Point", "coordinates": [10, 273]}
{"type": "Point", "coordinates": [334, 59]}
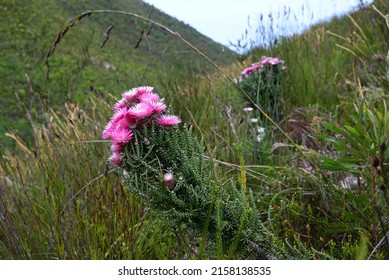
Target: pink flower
{"type": "Point", "coordinates": [121, 104]}
{"type": "Point", "coordinates": [134, 94]}
{"type": "Point", "coordinates": [108, 130]}
{"type": "Point", "coordinates": [140, 111]}
{"type": "Point", "coordinates": [248, 70]}
{"type": "Point", "coordinates": [117, 147]}
{"type": "Point", "coordinates": [168, 179]}
{"type": "Point", "coordinates": [121, 136]}
{"type": "Point", "coordinates": [158, 107]}
{"type": "Point", "coordinates": [125, 122]}
{"type": "Point", "coordinates": [149, 97]}
{"type": "Point", "coordinates": [130, 96]}
{"type": "Point", "coordinates": [120, 120]}
{"type": "Point", "coordinates": [143, 90]}
{"type": "Point", "coordinates": [271, 60]}
{"type": "Point", "coordinates": [119, 115]}
{"type": "Point", "coordinates": [115, 159]}
{"type": "Point", "coordinates": [264, 60]}
{"type": "Point", "coordinates": [168, 120]}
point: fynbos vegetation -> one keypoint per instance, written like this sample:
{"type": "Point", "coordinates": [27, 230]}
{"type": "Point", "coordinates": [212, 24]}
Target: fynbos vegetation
{"type": "Point", "coordinates": [285, 159]}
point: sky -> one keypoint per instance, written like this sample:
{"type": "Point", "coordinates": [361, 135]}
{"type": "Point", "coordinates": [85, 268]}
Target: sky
{"type": "Point", "coordinates": [228, 21]}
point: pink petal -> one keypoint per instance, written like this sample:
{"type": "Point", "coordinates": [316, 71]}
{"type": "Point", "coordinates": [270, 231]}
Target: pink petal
{"type": "Point", "coordinates": [140, 111]}
{"type": "Point", "coordinates": [121, 136]}
{"type": "Point", "coordinates": [168, 120]}
{"type": "Point", "coordinates": [149, 97]}
{"type": "Point", "coordinates": [158, 107]}
{"type": "Point", "coordinates": [121, 104]}
{"type": "Point", "coordinates": [121, 114]}
{"type": "Point", "coordinates": [107, 132]}
{"type": "Point", "coordinates": [117, 148]}
{"type": "Point", "coordinates": [115, 159]}
{"type": "Point", "coordinates": [142, 90]}
{"type": "Point", "coordinates": [130, 96]}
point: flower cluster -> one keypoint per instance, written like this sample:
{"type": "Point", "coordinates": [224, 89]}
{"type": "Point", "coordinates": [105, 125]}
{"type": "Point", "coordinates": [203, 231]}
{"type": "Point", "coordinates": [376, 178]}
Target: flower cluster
{"type": "Point", "coordinates": [262, 85]}
{"type": "Point", "coordinates": [260, 65]}
{"type": "Point", "coordinates": [138, 106]}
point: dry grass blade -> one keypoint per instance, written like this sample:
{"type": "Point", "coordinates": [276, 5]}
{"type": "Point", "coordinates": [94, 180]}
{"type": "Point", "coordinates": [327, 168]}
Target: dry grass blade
{"type": "Point", "coordinates": [106, 36]}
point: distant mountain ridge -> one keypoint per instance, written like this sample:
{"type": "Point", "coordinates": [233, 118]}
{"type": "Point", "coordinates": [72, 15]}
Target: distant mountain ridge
{"type": "Point", "coordinates": [124, 25]}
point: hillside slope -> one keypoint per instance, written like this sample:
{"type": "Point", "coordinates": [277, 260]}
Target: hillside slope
{"type": "Point", "coordinates": [135, 54]}
{"type": "Point", "coordinates": [326, 60]}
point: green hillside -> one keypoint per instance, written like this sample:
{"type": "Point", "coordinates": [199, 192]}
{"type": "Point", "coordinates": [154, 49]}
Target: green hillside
{"type": "Point", "coordinates": [135, 53]}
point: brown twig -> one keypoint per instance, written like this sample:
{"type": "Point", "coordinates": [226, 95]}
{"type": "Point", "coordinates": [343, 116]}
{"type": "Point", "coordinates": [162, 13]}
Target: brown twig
{"type": "Point", "coordinates": [106, 36]}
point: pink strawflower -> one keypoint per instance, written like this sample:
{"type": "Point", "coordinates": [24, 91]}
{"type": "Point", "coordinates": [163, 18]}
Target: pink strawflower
{"type": "Point", "coordinates": [121, 119]}
{"type": "Point", "coordinates": [248, 70]}
{"type": "Point", "coordinates": [270, 60]}
{"type": "Point", "coordinates": [126, 122]}
{"type": "Point", "coordinates": [117, 147]}
{"type": "Point", "coordinates": [134, 94]}
{"type": "Point", "coordinates": [143, 90]}
{"type": "Point", "coordinates": [120, 114]}
{"type": "Point", "coordinates": [168, 120]}
{"type": "Point", "coordinates": [115, 159]}
{"type": "Point", "coordinates": [121, 136]}
{"type": "Point", "coordinates": [158, 107]}
{"type": "Point", "coordinates": [149, 97]}
{"type": "Point", "coordinates": [130, 96]}
{"type": "Point", "coordinates": [121, 104]}
{"type": "Point", "coordinates": [168, 179]}
{"type": "Point", "coordinates": [140, 111]}
{"type": "Point", "coordinates": [107, 132]}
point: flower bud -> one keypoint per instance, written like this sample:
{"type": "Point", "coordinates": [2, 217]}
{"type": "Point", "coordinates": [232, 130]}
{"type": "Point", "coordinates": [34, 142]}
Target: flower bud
{"type": "Point", "coordinates": [168, 179]}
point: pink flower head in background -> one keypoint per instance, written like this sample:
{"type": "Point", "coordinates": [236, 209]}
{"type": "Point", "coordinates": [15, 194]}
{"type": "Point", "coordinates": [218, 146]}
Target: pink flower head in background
{"type": "Point", "coordinates": [259, 67]}
{"type": "Point", "coordinates": [271, 61]}
{"type": "Point", "coordinates": [252, 68]}
{"type": "Point", "coordinates": [247, 70]}
{"type": "Point", "coordinates": [168, 120]}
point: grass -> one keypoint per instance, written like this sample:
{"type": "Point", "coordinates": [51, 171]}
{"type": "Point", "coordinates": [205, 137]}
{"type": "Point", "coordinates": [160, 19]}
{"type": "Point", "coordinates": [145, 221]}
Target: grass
{"type": "Point", "coordinates": [57, 206]}
{"type": "Point", "coordinates": [60, 200]}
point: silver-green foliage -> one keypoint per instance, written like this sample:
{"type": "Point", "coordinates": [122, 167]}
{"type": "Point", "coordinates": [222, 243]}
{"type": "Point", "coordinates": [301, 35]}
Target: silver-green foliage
{"type": "Point", "coordinates": [224, 216]}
